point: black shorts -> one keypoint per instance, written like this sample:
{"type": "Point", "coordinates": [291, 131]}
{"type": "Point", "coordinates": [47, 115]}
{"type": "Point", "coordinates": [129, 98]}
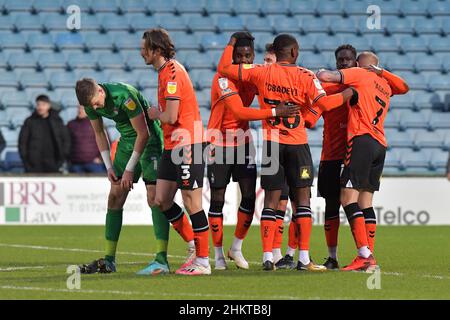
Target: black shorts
{"type": "Point", "coordinates": [329, 179]}
{"type": "Point", "coordinates": [185, 165]}
{"type": "Point", "coordinates": [226, 162]}
{"type": "Point", "coordinates": [363, 164]}
{"type": "Point", "coordinates": [286, 163]}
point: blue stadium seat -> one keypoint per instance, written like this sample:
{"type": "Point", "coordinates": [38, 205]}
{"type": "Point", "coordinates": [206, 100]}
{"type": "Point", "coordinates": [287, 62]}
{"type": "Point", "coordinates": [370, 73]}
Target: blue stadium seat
{"type": "Point", "coordinates": [408, 8]}
{"type": "Point", "coordinates": [328, 43]}
{"type": "Point", "coordinates": [356, 8]}
{"type": "Point", "coordinates": [201, 24]}
{"type": "Point", "coordinates": [409, 158]}
{"type": "Point", "coordinates": [213, 42]}
{"type": "Point", "coordinates": [438, 44]}
{"type": "Point", "coordinates": [424, 25]}
{"type": "Point", "coordinates": [203, 99]}
{"type": "Point", "coordinates": [96, 41]}
{"type": "Point", "coordinates": [314, 61]}
{"type": "Point", "coordinates": [12, 41]}
{"type": "Point", "coordinates": [104, 6]}
{"type": "Point", "coordinates": [315, 138]}
{"type": "Point", "coordinates": [315, 155]}
{"type": "Point", "coordinates": [403, 101]}
{"type": "Point", "coordinates": [400, 62]}
{"type": "Point", "coordinates": [340, 25]}
{"type": "Point", "coordinates": [330, 7]}
{"type": "Point", "coordinates": [392, 159]}
{"type": "Point", "coordinates": [218, 6]}
{"type": "Point", "coordinates": [446, 139]}
{"type": "Point", "coordinates": [135, 6]}
{"type": "Point", "coordinates": [13, 98]}
{"type": "Point", "coordinates": [415, 81]}
{"type": "Point", "coordinates": [198, 60]}
{"type": "Point", "coordinates": [360, 43]}
{"type": "Point", "coordinates": [190, 6]}
{"type": "Point", "coordinates": [11, 136]}
{"type": "Point", "coordinates": [425, 62]}
{"type": "Point", "coordinates": [260, 24]}
{"type": "Point", "coordinates": [17, 115]}
{"type": "Point", "coordinates": [399, 139]}
{"type": "Point", "coordinates": [84, 5]}
{"type": "Point", "coordinates": [126, 41]}
{"type": "Point", "coordinates": [114, 22]}
{"type": "Point", "coordinates": [80, 60]}
{"type": "Point", "coordinates": [112, 60]}
{"type": "Point", "coordinates": [270, 7]}
{"type": "Point", "coordinates": [438, 160]}
{"type": "Point", "coordinates": [126, 77]}
{"type": "Point", "coordinates": [8, 80]}
{"type": "Point", "coordinates": [17, 6]}
{"type": "Point", "coordinates": [426, 139]}
{"type": "Point", "coordinates": [134, 60]}
{"type": "Point", "coordinates": [55, 22]}
{"type": "Point", "coordinates": [53, 60]}
{"type": "Point", "coordinates": [40, 41]}
{"type": "Point", "coordinates": [48, 6]}
{"type": "Point", "coordinates": [69, 100]}
{"type": "Point", "coordinates": [418, 120]}
{"type": "Point", "coordinates": [425, 100]}
{"type": "Point", "coordinates": [62, 80]}
{"type": "Point", "coordinates": [439, 82]}
{"type": "Point", "coordinates": [184, 41]}
{"type": "Point", "coordinates": [90, 23]}
{"type": "Point", "coordinates": [22, 60]}
{"type": "Point", "coordinates": [202, 78]}
{"type": "Point", "coordinates": [312, 24]}
{"type": "Point", "coordinates": [13, 162]}
{"type": "Point", "coordinates": [380, 43]}
{"type": "Point", "coordinates": [69, 41]}
{"type": "Point", "coordinates": [32, 79]}
{"type": "Point", "coordinates": [100, 77]}
{"type": "Point", "coordinates": [68, 114]}
{"type": "Point", "coordinates": [171, 22]}
{"type": "Point", "coordinates": [285, 25]}
{"type": "Point", "coordinates": [163, 6]}
{"type": "Point", "coordinates": [6, 23]}
{"type": "Point", "coordinates": [409, 44]}
{"type": "Point", "coordinates": [147, 78]}
{"type": "Point", "coordinates": [439, 8]}
{"type": "Point", "coordinates": [396, 25]}
{"type": "Point", "coordinates": [151, 94]}
{"type": "Point", "coordinates": [204, 114]}
{"type": "Point", "coordinates": [247, 6]}
{"type": "Point", "coordinates": [263, 38]}
{"type": "Point", "coordinates": [440, 120]}
{"type": "Point", "coordinates": [3, 60]}
{"type": "Point", "coordinates": [140, 22]}
{"type": "Point", "coordinates": [227, 23]}
{"type": "Point", "coordinates": [26, 21]}
{"type": "Point", "coordinates": [303, 7]}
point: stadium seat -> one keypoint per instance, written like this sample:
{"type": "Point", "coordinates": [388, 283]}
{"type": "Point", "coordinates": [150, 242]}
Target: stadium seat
{"type": "Point", "coordinates": [163, 6]}
{"type": "Point", "coordinates": [68, 114]}
{"type": "Point", "coordinates": [400, 62]}
{"type": "Point", "coordinates": [399, 139]}
{"type": "Point", "coordinates": [6, 23]}
{"type": "Point", "coordinates": [69, 100]}
{"type": "Point", "coordinates": [134, 61]}
{"type": "Point", "coordinates": [271, 7]}
{"type": "Point", "coordinates": [314, 61]}
{"type": "Point", "coordinates": [425, 100]}
{"type": "Point", "coordinates": [219, 6]}
{"type": "Point", "coordinates": [146, 78]}
{"type": "Point", "coordinates": [105, 6]}
{"type": "Point", "coordinates": [171, 22]}
{"type": "Point", "coordinates": [285, 25]}
{"type": "Point", "coordinates": [49, 6]}
{"type": "Point", "coordinates": [409, 8]}
{"type": "Point", "coordinates": [87, 73]}
{"type": "Point", "coordinates": [12, 41]}
{"type": "Point", "coordinates": [402, 101]}
{"type": "Point", "coordinates": [425, 62]}
{"type": "Point", "coordinates": [17, 115]}
{"type": "Point", "coordinates": [126, 41]}
{"type": "Point", "coordinates": [189, 6]}
{"type": "Point", "coordinates": [26, 21]}
{"type": "Point", "coordinates": [108, 60]}
{"type": "Point", "coordinates": [62, 80]}
{"type": "Point", "coordinates": [394, 25]}
{"type": "Point", "coordinates": [53, 60]}
{"type": "Point", "coordinates": [439, 82]}
{"type": "Point", "coordinates": [40, 41]}
{"type": "Point", "coordinates": [55, 22]}
{"type": "Point", "coordinates": [340, 25]}
{"type": "Point", "coordinates": [409, 158]}
{"type": "Point", "coordinates": [440, 120]}
{"type": "Point", "coordinates": [424, 26]}
{"type": "Point", "coordinates": [204, 114]}
{"type": "Point", "coordinates": [84, 5]}
{"type": "Point", "coordinates": [69, 41]}
{"type": "Point", "coordinates": [425, 139]}
{"type": "Point", "coordinates": [303, 7]}
{"type": "Point", "coordinates": [439, 8]}
{"type": "Point", "coordinates": [392, 159]}
{"type": "Point", "coordinates": [203, 78]}
{"type": "Point", "coordinates": [198, 60]}
{"type": "Point", "coordinates": [356, 8]}
{"type": "Point", "coordinates": [8, 80]}
{"type": "Point", "coordinates": [135, 6]}
{"type": "Point", "coordinates": [213, 42]}
{"type": "Point", "coordinates": [315, 138]}
{"type": "Point", "coordinates": [12, 98]}
{"type": "Point", "coordinates": [80, 60]}
{"type": "Point", "coordinates": [247, 7]}
{"type": "Point", "coordinates": [438, 160]}
{"type": "Point", "coordinates": [17, 6]}
{"type": "Point", "coordinates": [330, 7]}
{"type": "Point", "coordinates": [140, 22]}
{"type": "Point", "coordinates": [114, 22]}
{"type": "Point", "coordinates": [328, 43]}
{"type": "Point", "coordinates": [227, 23]}
{"type": "Point", "coordinates": [11, 136]}
{"type": "Point", "coordinates": [415, 81]}
{"type": "Point", "coordinates": [13, 162]}
{"type": "Point", "coordinates": [260, 24]}
{"type": "Point", "coordinates": [360, 43]}
{"type": "Point", "coordinates": [96, 41]}
{"type": "Point", "coordinates": [410, 44]}
{"type": "Point", "coordinates": [32, 79]}
{"type": "Point", "coordinates": [418, 120]}
{"type": "Point", "coordinates": [184, 41]}
{"type": "Point", "coordinates": [313, 24]}
{"type": "Point", "coordinates": [203, 100]}
{"type": "Point", "coordinates": [22, 60]}
{"type": "Point", "coordinates": [201, 24]}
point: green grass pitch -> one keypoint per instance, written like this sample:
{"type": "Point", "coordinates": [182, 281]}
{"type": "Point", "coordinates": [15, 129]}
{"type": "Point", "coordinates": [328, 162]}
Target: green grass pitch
{"type": "Point", "coordinates": [415, 264]}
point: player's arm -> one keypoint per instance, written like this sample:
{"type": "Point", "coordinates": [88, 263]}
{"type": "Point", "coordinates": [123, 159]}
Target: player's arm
{"type": "Point", "coordinates": [170, 116]}
{"type": "Point", "coordinates": [327, 103]}
{"type": "Point", "coordinates": [311, 115]}
{"type": "Point", "coordinates": [103, 146]}
{"type": "Point", "coordinates": [234, 103]}
{"type": "Point", "coordinates": [397, 84]}
{"type": "Point", "coordinates": [329, 76]}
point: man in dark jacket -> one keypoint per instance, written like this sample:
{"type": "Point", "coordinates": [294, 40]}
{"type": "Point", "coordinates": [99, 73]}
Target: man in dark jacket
{"type": "Point", "coordinates": [84, 154]}
{"type": "Point", "coordinates": [44, 141]}
{"type": "Point", "coordinates": [2, 142]}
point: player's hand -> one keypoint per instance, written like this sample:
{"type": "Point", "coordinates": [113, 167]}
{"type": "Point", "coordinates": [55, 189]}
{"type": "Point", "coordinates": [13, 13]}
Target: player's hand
{"type": "Point", "coordinates": [153, 113]}
{"type": "Point", "coordinates": [351, 95]}
{"type": "Point", "coordinates": [286, 111]}
{"type": "Point", "coordinates": [240, 35]}
{"type": "Point", "coordinates": [375, 69]}
{"type": "Point", "coordinates": [127, 180]}
{"type": "Point", "coordinates": [112, 177]}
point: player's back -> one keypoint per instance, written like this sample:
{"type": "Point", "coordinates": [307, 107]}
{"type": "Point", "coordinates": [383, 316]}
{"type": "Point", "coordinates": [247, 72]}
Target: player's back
{"type": "Point", "coordinates": [174, 84]}
{"type": "Point", "coordinates": [291, 84]}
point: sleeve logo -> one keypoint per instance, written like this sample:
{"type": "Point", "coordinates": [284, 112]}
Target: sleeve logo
{"type": "Point", "coordinates": [130, 104]}
{"type": "Point", "coordinates": [171, 87]}
{"type": "Point", "coordinates": [247, 66]}
{"type": "Point", "coordinates": [223, 83]}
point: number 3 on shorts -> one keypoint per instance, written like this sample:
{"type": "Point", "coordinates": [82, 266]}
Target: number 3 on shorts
{"type": "Point", "coordinates": [186, 174]}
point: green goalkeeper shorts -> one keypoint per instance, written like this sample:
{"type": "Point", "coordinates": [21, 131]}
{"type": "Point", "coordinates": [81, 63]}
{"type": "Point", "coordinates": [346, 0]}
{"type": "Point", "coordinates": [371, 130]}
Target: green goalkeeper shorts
{"type": "Point", "coordinates": [147, 165]}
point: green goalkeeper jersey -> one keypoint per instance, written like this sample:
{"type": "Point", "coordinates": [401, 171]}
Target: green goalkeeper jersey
{"type": "Point", "coordinates": [122, 103]}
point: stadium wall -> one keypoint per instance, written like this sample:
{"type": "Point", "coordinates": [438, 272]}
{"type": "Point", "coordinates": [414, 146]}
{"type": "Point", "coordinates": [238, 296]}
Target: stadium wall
{"type": "Point", "coordinates": [82, 201]}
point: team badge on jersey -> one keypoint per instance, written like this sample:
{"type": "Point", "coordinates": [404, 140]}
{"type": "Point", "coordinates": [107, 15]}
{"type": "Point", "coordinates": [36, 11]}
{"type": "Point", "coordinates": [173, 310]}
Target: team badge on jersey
{"type": "Point", "coordinates": [247, 66]}
{"type": "Point", "coordinates": [223, 83]}
{"type": "Point", "coordinates": [171, 87]}
{"type": "Point", "coordinates": [130, 104]}
{"type": "Point", "coordinates": [304, 173]}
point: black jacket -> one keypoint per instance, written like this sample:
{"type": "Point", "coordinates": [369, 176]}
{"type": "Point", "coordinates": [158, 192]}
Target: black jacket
{"type": "Point", "coordinates": [2, 142]}
{"type": "Point", "coordinates": [39, 135]}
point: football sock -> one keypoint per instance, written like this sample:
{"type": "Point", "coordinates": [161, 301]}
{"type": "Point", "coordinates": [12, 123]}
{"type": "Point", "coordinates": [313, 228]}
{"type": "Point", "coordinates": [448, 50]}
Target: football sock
{"type": "Point", "coordinates": [180, 222]}
{"type": "Point", "coordinates": [161, 228]}
{"type": "Point", "coordinates": [303, 256]}
{"type": "Point", "coordinates": [267, 229]}
{"type": "Point", "coordinates": [356, 219]}
{"type": "Point", "coordinates": [303, 218]}
{"type": "Point", "coordinates": [215, 218]}
{"type": "Point", "coordinates": [113, 226]}
{"type": "Point", "coordinates": [293, 235]}
{"type": "Point", "coordinates": [290, 251]}
{"type": "Point", "coordinates": [218, 252]}
{"type": "Point", "coordinates": [200, 227]}
{"type": "Point", "coordinates": [244, 217]}
{"type": "Point", "coordinates": [371, 226]}
{"type": "Point", "coordinates": [331, 228]}
{"type": "Point", "coordinates": [268, 256]}
{"type": "Point", "coordinates": [237, 244]}
{"type": "Point", "coordinates": [278, 237]}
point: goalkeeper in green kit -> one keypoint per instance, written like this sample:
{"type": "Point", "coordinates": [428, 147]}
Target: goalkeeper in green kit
{"type": "Point", "coordinates": [138, 153]}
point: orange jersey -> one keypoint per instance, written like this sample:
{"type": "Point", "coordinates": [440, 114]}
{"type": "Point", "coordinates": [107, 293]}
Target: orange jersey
{"type": "Point", "coordinates": [276, 83]}
{"type": "Point", "coordinates": [174, 84]}
{"type": "Point", "coordinates": [374, 93]}
{"type": "Point", "coordinates": [222, 118]}
{"type": "Point", "coordinates": [334, 128]}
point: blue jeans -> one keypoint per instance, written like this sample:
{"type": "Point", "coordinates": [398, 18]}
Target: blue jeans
{"type": "Point", "coordinates": [87, 168]}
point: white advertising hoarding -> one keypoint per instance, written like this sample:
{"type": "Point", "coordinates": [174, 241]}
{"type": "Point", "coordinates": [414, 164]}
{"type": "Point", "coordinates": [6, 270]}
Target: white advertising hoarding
{"type": "Point", "coordinates": [82, 201]}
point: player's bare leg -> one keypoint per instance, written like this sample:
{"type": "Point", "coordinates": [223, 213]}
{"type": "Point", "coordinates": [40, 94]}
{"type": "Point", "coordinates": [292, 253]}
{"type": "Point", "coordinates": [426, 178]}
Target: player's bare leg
{"type": "Point", "coordinates": [349, 200]}
{"type": "Point", "coordinates": [165, 193]}
{"type": "Point", "coordinates": [303, 219]}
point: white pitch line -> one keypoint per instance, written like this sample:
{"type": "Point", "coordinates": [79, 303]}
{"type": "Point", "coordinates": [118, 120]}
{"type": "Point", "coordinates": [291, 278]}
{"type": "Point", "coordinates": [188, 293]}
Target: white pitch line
{"type": "Point", "coordinates": [118, 292]}
{"type": "Point", "coordinates": [34, 247]}
{"type": "Point", "coordinates": [21, 268]}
